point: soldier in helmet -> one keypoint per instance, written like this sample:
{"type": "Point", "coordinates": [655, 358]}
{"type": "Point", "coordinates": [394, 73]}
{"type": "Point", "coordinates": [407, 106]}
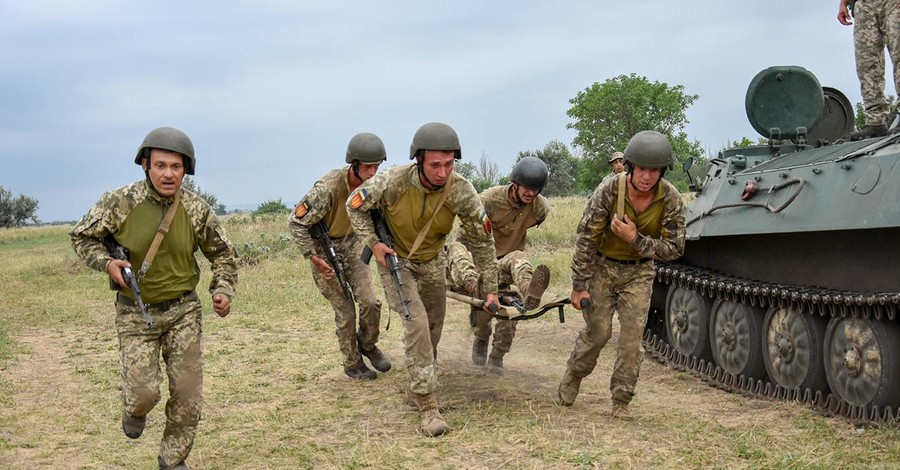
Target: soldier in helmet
{"type": "Point", "coordinates": [325, 202]}
{"type": "Point", "coordinates": [617, 164]}
{"type": "Point", "coordinates": [164, 246]}
{"type": "Point", "coordinates": [627, 224]}
{"type": "Point", "coordinates": [513, 209]}
{"type": "Point", "coordinates": [420, 203]}
{"type": "Point", "coordinates": [877, 26]}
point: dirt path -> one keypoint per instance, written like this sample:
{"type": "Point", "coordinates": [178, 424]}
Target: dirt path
{"type": "Point", "coordinates": [51, 420]}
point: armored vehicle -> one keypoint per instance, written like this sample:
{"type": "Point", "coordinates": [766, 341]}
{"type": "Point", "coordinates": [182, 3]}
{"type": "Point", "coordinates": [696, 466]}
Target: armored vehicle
{"type": "Point", "coordinates": [789, 286]}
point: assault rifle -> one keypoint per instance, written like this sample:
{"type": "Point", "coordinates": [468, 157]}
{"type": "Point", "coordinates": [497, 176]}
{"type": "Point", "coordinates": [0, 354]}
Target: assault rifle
{"type": "Point", "coordinates": [118, 252]}
{"type": "Point", "coordinates": [393, 263]}
{"type": "Point", "coordinates": [319, 231]}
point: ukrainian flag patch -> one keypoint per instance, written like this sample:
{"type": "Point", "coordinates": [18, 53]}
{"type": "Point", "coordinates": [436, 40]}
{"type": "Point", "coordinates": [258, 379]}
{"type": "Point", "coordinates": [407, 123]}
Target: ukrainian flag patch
{"type": "Point", "coordinates": [358, 198]}
{"type": "Point", "coordinates": [486, 222]}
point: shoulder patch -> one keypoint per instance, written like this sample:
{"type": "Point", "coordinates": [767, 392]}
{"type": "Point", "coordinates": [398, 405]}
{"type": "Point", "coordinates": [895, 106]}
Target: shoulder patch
{"type": "Point", "coordinates": [301, 209]}
{"type": "Point", "coordinates": [486, 222]}
{"type": "Point", "coordinates": [358, 198]}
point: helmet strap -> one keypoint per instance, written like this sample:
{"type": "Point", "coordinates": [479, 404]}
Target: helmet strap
{"type": "Point", "coordinates": [355, 168]}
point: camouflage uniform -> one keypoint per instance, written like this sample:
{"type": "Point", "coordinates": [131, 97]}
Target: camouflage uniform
{"type": "Point", "coordinates": [876, 25]}
{"type": "Point", "coordinates": [510, 222]}
{"type": "Point", "coordinates": [408, 206]}
{"type": "Point", "coordinates": [621, 283]}
{"type": "Point", "coordinates": [326, 201]}
{"type": "Point", "coordinates": [131, 214]}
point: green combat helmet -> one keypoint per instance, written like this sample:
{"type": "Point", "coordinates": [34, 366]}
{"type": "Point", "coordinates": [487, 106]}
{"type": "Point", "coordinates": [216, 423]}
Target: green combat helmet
{"type": "Point", "coordinates": [649, 149]}
{"type": "Point", "coordinates": [615, 156]}
{"type": "Point", "coordinates": [366, 147]}
{"type": "Point", "coordinates": [171, 139]}
{"type": "Point", "coordinates": [435, 136]}
{"type": "Point", "coordinates": [530, 172]}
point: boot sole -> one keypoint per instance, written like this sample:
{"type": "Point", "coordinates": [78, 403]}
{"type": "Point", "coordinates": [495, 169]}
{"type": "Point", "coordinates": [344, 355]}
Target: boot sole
{"type": "Point", "coordinates": [540, 280]}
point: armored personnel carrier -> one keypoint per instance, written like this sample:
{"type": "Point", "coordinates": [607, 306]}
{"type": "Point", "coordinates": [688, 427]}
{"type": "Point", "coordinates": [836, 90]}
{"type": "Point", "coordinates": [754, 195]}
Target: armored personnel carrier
{"type": "Point", "coordinates": [789, 286]}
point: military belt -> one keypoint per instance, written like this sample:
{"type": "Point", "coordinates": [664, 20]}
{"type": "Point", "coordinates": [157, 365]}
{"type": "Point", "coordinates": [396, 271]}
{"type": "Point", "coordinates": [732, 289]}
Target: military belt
{"type": "Point", "coordinates": [625, 261]}
{"type": "Point", "coordinates": [161, 306]}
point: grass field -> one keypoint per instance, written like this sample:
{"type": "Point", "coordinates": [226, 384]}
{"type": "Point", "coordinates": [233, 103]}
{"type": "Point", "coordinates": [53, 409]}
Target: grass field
{"type": "Point", "coordinates": [275, 395]}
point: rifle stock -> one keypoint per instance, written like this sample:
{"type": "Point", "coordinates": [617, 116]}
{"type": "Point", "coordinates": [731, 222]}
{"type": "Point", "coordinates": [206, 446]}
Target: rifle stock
{"type": "Point", "coordinates": [319, 231]}
{"type": "Point", "coordinates": [393, 262]}
{"type": "Point", "coordinates": [118, 252]}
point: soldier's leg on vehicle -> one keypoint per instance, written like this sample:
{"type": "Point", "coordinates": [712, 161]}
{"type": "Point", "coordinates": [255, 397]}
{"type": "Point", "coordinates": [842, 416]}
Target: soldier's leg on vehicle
{"type": "Point", "coordinates": [139, 362]}
{"type": "Point", "coordinates": [869, 48]}
{"type": "Point", "coordinates": [892, 41]}
{"type": "Point", "coordinates": [181, 347]}
{"type": "Point", "coordinates": [634, 303]}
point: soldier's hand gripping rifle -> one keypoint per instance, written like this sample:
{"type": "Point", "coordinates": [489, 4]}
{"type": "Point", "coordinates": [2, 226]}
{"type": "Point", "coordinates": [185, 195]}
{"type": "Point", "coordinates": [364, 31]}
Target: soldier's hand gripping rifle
{"type": "Point", "coordinates": [319, 231]}
{"type": "Point", "coordinates": [118, 252]}
{"type": "Point", "coordinates": [393, 263]}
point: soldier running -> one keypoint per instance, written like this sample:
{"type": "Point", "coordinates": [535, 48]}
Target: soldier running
{"type": "Point", "coordinates": [628, 222]}
{"type": "Point", "coordinates": [326, 203]}
{"type": "Point", "coordinates": [420, 203]}
{"type": "Point", "coordinates": [133, 217]}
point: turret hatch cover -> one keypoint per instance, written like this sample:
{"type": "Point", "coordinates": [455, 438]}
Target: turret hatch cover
{"type": "Point", "coordinates": [837, 118]}
{"type": "Point", "coordinates": [784, 97]}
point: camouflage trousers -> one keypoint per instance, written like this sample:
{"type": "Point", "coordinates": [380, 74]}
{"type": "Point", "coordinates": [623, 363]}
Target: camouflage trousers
{"type": "Point", "coordinates": [424, 284]}
{"type": "Point", "coordinates": [177, 338]}
{"type": "Point", "coordinates": [359, 276]}
{"type": "Point", "coordinates": [876, 26]}
{"type": "Point", "coordinates": [615, 288]}
{"type": "Point", "coordinates": [514, 269]}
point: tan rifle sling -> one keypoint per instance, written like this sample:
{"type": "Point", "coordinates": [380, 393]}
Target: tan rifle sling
{"type": "Point", "coordinates": [620, 200]}
{"type": "Point", "coordinates": [160, 234]}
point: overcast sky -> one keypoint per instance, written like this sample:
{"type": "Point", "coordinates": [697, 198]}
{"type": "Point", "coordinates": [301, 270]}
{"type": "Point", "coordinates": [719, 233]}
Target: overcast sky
{"type": "Point", "coordinates": [271, 91]}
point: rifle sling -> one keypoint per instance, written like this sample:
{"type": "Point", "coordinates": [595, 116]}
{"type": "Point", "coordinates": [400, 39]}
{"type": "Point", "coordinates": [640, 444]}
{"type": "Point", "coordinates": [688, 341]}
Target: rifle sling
{"type": "Point", "coordinates": [620, 200]}
{"type": "Point", "coordinates": [161, 232]}
{"type": "Point", "coordinates": [421, 236]}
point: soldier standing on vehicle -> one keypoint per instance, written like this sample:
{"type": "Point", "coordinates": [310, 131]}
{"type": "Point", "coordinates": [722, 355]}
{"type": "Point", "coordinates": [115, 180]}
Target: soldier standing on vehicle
{"type": "Point", "coordinates": [626, 225]}
{"type": "Point", "coordinates": [877, 25]}
{"type": "Point", "coordinates": [326, 203]}
{"type": "Point", "coordinates": [133, 217]}
{"type": "Point", "coordinates": [420, 203]}
{"type": "Point", "coordinates": [513, 209]}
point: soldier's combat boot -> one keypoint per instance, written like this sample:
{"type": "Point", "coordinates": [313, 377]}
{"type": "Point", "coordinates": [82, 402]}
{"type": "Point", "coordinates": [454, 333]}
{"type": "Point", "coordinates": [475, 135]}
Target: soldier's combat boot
{"type": "Point", "coordinates": [535, 288]}
{"type": "Point", "coordinates": [179, 466]}
{"type": "Point", "coordinates": [495, 363]}
{"type": "Point", "coordinates": [379, 361]}
{"type": "Point", "coordinates": [360, 371]}
{"type": "Point", "coordinates": [432, 422]}
{"type": "Point", "coordinates": [133, 426]}
{"type": "Point", "coordinates": [568, 389]}
{"type": "Point", "coordinates": [620, 411]}
{"type": "Point", "coordinates": [867, 132]}
{"type": "Point", "coordinates": [479, 351]}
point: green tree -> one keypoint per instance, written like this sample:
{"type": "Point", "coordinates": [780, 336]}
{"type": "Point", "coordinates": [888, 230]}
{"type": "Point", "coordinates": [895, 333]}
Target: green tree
{"type": "Point", "coordinates": [465, 169]}
{"type": "Point", "coordinates": [562, 165]}
{"type": "Point", "coordinates": [606, 115]}
{"type": "Point", "coordinates": [213, 201]}
{"type": "Point", "coordinates": [15, 211]}
{"type": "Point", "coordinates": [272, 206]}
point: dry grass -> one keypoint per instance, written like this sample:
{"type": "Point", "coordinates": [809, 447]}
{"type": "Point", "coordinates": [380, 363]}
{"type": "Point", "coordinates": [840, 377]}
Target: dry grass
{"type": "Point", "coordinates": [275, 396]}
